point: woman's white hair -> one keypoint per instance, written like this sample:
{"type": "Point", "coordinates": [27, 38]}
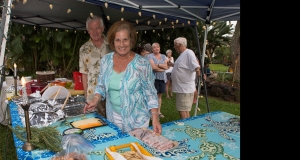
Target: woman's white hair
{"type": "Point", "coordinates": [168, 51]}
{"type": "Point", "coordinates": [181, 40]}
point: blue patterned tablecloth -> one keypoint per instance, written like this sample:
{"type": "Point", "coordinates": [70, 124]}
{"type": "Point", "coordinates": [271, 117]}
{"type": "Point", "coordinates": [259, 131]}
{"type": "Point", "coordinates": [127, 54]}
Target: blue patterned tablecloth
{"type": "Point", "coordinates": [215, 135]}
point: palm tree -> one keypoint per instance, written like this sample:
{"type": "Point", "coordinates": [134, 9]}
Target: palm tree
{"type": "Point", "coordinates": [217, 36]}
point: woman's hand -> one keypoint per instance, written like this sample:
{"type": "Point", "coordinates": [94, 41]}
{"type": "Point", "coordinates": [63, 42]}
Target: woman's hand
{"type": "Point", "coordinates": [156, 125]}
{"type": "Point", "coordinates": [89, 106]}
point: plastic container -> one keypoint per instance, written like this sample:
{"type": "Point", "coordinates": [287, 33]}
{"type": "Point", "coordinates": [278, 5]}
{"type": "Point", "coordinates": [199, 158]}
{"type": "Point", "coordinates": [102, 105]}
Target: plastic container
{"type": "Point", "coordinates": [127, 147]}
{"type": "Point", "coordinates": [37, 86]}
{"type": "Point", "coordinates": [77, 77]}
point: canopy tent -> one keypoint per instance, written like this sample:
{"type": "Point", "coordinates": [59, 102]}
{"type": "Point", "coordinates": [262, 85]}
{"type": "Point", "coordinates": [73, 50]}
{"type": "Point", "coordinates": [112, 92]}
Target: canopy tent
{"type": "Point", "coordinates": [154, 14]}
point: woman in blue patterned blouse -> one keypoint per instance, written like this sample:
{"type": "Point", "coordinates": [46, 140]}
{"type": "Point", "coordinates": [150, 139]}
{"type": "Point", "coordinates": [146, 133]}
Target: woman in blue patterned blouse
{"type": "Point", "coordinates": [126, 81]}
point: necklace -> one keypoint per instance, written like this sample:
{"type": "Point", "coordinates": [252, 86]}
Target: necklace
{"type": "Point", "coordinates": [122, 60]}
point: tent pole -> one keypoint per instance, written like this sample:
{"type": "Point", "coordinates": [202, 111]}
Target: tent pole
{"type": "Point", "coordinates": [5, 23]}
{"type": "Point", "coordinates": [202, 73]}
{"type": "Point", "coordinates": [202, 70]}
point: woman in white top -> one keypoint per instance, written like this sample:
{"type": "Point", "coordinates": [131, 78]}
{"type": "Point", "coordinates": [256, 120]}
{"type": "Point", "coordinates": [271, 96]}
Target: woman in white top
{"type": "Point", "coordinates": [168, 73]}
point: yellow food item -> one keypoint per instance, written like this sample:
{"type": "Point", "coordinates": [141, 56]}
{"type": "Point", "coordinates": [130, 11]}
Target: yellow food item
{"type": "Point", "coordinates": [87, 123]}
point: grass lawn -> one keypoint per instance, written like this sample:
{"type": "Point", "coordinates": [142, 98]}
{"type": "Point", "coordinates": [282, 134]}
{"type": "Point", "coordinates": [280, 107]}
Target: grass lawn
{"type": "Point", "coordinates": [218, 67]}
{"type": "Point", "coordinates": [169, 108]}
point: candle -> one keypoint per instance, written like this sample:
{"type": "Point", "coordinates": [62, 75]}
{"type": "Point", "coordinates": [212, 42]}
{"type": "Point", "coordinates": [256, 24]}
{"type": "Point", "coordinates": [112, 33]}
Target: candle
{"type": "Point", "coordinates": [24, 93]}
{"type": "Point", "coordinates": [15, 69]}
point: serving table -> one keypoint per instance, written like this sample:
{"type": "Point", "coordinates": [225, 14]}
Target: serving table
{"type": "Point", "coordinates": [214, 135]}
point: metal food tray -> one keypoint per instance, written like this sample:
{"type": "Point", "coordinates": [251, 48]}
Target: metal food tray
{"type": "Point", "coordinates": [75, 109]}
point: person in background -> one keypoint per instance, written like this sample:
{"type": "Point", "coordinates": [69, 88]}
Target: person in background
{"type": "Point", "coordinates": [159, 63]}
{"type": "Point", "coordinates": [147, 49]}
{"type": "Point", "coordinates": [183, 77]}
{"type": "Point", "coordinates": [168, 73]}
{"type": "Point", "coordinates": [126, 81]}
{"type": "Point", "coordinates": [144, 51]}
{"type": "Point", "coordinates": [90, 54]}
{"type": "Point", "coordinates": [208, 72]}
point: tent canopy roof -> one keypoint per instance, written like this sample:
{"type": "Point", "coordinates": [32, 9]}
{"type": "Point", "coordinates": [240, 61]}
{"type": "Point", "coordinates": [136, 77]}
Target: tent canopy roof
{"type": "Point", "coordinates": [38, 12]}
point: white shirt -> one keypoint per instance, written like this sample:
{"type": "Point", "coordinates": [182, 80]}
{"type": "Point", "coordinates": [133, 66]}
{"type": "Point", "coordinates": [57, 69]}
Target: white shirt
{"type": "Point", "coordinates": [183, 73]}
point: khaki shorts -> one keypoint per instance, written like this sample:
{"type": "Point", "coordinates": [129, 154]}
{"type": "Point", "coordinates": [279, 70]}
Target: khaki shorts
{"type": "Point", "coordinates": [184, 101]}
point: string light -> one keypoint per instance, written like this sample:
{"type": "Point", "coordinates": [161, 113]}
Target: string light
{"type": "Point", "coordinates": [75, 31]}
{"type": "Point", "coordinates": [51, 6]}
{"type": "Point", "coordinates": [166, 19]}
{"type": "Point", "coordinates": [173, 27]}
{"type": "Point", "coordinates": [162, 29]}
{"type": "Point", "coordinates": [153, 31]}
{"type": "Point", "coordinates": [56, 29]}
{"type": "Point", "coordinates": [82, 1]}
{"type": "Point", "coordinates": [145, 32]}
{"type": "Point", "coordinates": [189, 22]}
{"type": "Point", "coordinates": [137, 21]}
{"type": "Point", "coordinates": [172, 23]}
{"type": "Point", "coordinates": [153, 16]}
{"type": "Point", "coordinates": [24, 1]}
{"type": "Point", "coordinates": [197, 23]}
{"type": "Point", "coordinates": [182, 24]}
{"type": "Point", "coordinates": [106, 4]}
{"type": "Point", "coordinates": [204, 27]}
{"type": "Point", "coordinates": [122, 19]}
{"type": "Point", "coordinates": [159, 22]}
{"type": "Point", "coordinates": [176, 21]}
{"type": "Point", "coordinates": [91, 14]}
{"type": "Point", "coordinates": [140, 13]}
{"type": "Point", "coordinates": [108, 18]}
{"type": "Point", "coordinates": [69, 10]}
{"type": "Point", "coordinates": [122, 9]}
{"type": "Point", "coordinates": [148, 22]}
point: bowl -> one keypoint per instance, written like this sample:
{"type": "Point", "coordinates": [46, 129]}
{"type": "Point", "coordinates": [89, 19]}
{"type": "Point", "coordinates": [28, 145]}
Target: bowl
{"type": "Point", "coordinates": [57, 83]}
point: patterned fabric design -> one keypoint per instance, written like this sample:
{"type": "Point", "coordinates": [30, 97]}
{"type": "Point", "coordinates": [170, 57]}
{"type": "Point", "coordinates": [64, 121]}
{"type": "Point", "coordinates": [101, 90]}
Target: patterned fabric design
{"type": "Point", "coordinates": [137, 91]}
{"type": "Point", "coordinates": [89, 63]}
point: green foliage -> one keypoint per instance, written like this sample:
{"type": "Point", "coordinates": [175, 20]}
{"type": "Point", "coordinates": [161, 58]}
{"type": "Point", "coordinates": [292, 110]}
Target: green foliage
{"type": "Point", "coordinates": [222, 53]}
{"type": "Point", "coordinates": [42, 138]}
{"type": "Point", "coordinates": [44, 49]}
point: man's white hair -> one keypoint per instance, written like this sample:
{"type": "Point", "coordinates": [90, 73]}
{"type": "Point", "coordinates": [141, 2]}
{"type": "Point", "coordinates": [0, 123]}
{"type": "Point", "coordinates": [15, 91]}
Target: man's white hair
{"type": "Point", "coordinates": [181, 40]}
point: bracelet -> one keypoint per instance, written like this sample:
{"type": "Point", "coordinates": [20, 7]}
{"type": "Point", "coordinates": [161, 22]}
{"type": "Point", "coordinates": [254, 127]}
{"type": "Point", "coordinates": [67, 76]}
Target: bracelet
{"type": "Point", "coordinates": [98, 96]}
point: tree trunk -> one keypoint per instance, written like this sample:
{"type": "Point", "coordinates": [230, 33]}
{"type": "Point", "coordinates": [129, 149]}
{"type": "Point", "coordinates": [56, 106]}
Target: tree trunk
{"type": "Point", "coordinates": [235, 52]}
